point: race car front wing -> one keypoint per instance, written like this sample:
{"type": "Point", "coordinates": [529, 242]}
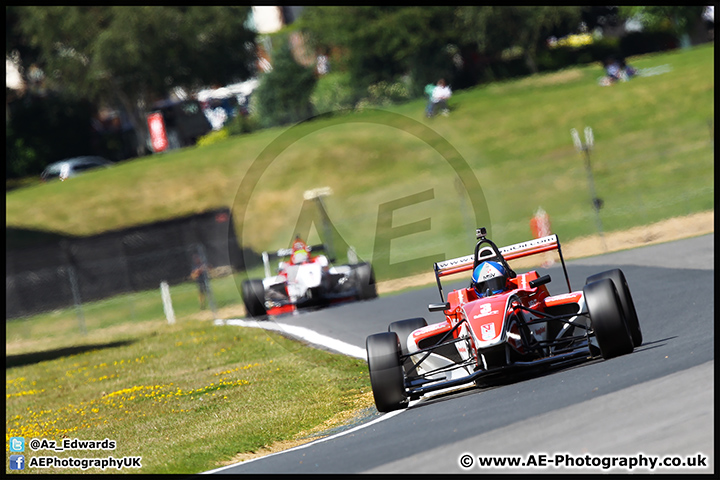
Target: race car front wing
{"type": "Point", "coordinates": [567, 349]}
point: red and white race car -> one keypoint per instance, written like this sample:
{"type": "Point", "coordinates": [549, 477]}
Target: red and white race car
{"type": "Point", "coordinates": [306, 279]}
{"type": "Point", "coordinates": [501, 323]}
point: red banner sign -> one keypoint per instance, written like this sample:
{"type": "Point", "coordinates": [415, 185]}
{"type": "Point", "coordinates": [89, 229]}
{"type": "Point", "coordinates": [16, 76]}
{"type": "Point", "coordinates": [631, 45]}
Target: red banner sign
{"type": "Point", "coordinates": [158, 136]}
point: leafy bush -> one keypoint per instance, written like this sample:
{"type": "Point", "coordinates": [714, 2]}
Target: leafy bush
{"type": "Point", "coordinates": [42, 130]}
{"type": "Point", "coordinates": [639, 43]}
{"type": "Point", "coordinates": [213, 137]}
{"type": "Point", "coordinates": [603, 48]}
{"type": "Point", "coordinates": [501, 70]}
{"type": "Point", "coordinates": [242, 124]}
{"type": "Point", "coordinates": [383, 94]}
{"type": "Point", "coordinates": [333, 92]}
{"type": "Point", "coordinates": [568, 56]}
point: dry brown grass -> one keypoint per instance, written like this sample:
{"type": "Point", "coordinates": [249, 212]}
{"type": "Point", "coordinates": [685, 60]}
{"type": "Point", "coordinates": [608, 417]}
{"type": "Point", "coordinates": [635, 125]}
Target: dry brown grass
{"type": "Point", "coordinates": [660, 232]}
{"type": "Point", "coordinates": [361, 402]}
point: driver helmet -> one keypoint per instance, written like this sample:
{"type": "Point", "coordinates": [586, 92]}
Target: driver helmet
{"type": "Point", "coordinates": [489, 276]}
{"type": "Point", "coordinates": [299, 251]}
{"type": "Point", "coordinates": [299, 256]}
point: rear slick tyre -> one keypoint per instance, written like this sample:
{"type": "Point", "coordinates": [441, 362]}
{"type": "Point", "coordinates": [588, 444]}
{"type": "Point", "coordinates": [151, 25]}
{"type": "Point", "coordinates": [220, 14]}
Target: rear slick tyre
{"type": "Point", "coordinates": [386, 372]}
{"type": "Point", "coordinates": [607, 319]}
{"type": "Point", "coordinates": [365, 281]}
{"type": "Point", "coordinates": [403, 329]}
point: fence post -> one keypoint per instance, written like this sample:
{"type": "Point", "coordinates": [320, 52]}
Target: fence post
{"type": "Point", "coordinates": [206, 279]}
{"type": "Point", "coordinates": [596, 202]}
{"type": "Point", "coordinates": [167, 302]}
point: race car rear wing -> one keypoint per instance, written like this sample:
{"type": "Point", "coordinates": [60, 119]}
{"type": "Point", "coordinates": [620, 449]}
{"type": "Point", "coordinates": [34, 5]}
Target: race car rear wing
{"type": "Point", "coordinates": [511, 252]}
{"type": "Point", "coordinates": [285, 252]}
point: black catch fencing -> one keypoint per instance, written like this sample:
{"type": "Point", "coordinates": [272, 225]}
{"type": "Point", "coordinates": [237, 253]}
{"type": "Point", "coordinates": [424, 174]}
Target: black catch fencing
{"type": "Point", "coordinates": [72, 270]}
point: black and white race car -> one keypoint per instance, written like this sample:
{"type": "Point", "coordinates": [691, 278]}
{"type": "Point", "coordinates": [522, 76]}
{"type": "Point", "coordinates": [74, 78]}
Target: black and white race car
{"type": "Point", "coordinates": [306, 279]}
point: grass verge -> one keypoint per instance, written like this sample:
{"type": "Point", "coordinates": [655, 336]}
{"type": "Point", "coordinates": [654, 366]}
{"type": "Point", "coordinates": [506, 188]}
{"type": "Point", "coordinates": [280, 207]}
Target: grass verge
{"type": "Point", "coordinates": [186, 398]}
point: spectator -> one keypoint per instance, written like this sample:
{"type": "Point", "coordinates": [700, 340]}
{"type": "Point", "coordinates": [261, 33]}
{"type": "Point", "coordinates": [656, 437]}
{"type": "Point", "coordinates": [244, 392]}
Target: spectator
{"type": "Point", "coordinates": [626, 71]}
{"type": "Point", "coordinates": [200, 275]}
{"type": "Point", "coordinates": [617, 71]}
{"type": "Point", "coordinates": [429, 90]}
{"type": "Point", "coordinates": [612, 70]}
{"type": "Point", "coordinates": [440, 95]}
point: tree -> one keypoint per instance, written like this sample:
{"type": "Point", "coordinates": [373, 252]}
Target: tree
{"type": "Point", "coordinates": [494, 29]}
{"type": "Point", "coordinates": [134, 55]}
{"type": "Point", "coordinates": [382, 43]}
{"type": "Point", "coordinates": [601, 16]}
{"type": "Point", "coordinates": [283, 95]}
{"type": "Point", "coordinates": [681, 20]}
{"type": "Point", "coordinates": [15, 45]}
{"type": "Point", "coordinates": [43, 130]}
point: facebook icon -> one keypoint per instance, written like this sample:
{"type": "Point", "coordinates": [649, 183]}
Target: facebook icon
{"type": "Point", "coordinates": [17, 462]}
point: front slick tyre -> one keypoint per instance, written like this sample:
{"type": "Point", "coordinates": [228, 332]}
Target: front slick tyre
{"type": "Point", "coordinates": [607, 319]}
{"type": "Point", "coordinates": [386, 373]}
{"type": "Point", "coordinates": [626, 300]}
{"type": "Point", "coordinates": [253, 294]}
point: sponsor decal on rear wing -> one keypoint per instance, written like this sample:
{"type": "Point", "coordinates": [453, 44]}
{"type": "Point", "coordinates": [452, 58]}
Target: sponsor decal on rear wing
{"type": "Point", "coordinates": [511, 252]}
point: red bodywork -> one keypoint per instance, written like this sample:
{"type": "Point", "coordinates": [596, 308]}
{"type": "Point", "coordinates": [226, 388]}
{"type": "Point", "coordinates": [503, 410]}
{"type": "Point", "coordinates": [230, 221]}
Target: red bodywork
{"type": "Point", "coordinates": [282, 309]}
{"type": "Point", "coordinates": [486, 317]}
{"type": "Point", "coordinates": [488, 337]}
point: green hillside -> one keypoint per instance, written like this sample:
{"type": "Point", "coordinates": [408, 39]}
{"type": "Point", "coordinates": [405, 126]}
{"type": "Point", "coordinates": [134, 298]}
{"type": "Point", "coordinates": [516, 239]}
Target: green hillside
{"type": "Point", "coordinates": [652, 159]}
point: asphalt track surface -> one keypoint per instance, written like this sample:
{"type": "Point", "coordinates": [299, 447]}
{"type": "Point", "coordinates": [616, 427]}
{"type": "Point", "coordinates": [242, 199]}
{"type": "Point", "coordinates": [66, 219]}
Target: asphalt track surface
{"type": "Point", "coordinates": [654, 403]}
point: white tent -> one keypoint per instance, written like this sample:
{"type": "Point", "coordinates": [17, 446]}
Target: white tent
{"type": "Point", "coordinates": [239, 90]}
